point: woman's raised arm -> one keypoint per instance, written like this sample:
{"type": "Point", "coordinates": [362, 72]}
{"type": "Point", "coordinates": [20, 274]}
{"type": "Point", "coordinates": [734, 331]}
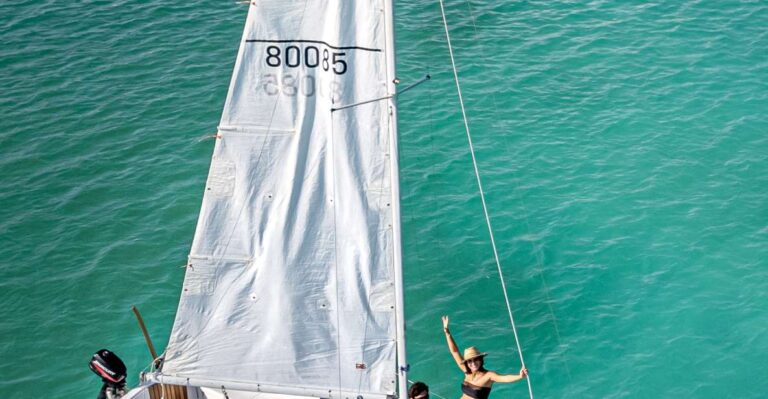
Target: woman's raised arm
{"type": "Point", "coordinates": [496, 377]}
{"type": "Point", "coordinates": [452, 346]}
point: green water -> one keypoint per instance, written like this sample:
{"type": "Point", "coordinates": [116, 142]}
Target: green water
{"type": "Point", "coordinates": [623, 147]}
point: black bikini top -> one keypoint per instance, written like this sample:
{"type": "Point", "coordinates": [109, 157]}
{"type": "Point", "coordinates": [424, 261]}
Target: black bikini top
{"type": "Point", "coordinates": [475, 392]}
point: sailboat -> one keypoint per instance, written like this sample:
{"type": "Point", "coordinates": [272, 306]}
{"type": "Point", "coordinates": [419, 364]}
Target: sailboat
{"type": "Point", "coordinates": [293, 287]}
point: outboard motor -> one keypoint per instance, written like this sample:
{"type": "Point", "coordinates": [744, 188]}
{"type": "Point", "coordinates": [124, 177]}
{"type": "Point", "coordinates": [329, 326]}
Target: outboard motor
{"type": "Point", "coordinates": [112, 371]}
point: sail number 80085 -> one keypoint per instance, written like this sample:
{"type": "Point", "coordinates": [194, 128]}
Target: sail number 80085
{"type": "Point", "coordinates": [310, 57]}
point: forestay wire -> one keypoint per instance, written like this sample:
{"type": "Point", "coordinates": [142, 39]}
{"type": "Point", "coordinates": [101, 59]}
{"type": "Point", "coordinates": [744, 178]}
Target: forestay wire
{"type": "Point", "coordinates": [482, 196]}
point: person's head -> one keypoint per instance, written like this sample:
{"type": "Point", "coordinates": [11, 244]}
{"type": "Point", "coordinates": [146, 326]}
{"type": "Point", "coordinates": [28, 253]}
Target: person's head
{"type": "Point", "coordinates": [473, 359]}
{"type": "Point", "coordinates": [419, 390]}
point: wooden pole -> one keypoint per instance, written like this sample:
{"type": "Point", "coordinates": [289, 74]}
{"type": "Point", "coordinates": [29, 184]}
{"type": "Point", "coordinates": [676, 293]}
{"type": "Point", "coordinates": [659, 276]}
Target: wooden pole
{"type": "Point", "coordinates": [146, 334]}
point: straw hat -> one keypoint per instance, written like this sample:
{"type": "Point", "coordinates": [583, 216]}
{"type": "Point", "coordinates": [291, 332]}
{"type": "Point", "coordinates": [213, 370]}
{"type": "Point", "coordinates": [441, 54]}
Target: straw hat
{"type": "Point", "coordinates": [472, 352]}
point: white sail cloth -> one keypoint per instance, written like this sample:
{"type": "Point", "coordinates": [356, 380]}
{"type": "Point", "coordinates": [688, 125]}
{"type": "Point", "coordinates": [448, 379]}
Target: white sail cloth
{"type": "Point", "coordinates": [290, 279]}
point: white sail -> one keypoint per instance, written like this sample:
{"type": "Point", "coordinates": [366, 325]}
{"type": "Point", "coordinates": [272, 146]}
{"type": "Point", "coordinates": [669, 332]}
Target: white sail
{"type": "Point", "coordinates": [293, 282]}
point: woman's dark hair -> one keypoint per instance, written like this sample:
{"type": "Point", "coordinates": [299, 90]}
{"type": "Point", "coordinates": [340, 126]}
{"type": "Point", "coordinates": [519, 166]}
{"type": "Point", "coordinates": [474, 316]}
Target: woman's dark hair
{"type": "Point", "coordinates": [482, 366]}
{"type": "Point", "coordinates": [417, 389]}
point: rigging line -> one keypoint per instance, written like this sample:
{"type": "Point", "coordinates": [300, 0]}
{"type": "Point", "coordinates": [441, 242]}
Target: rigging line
{"type": "Point", "coordinates": [538, 251]}
{"type": "Point", "coordinates": [411, 86]}
{"type": "Point", "coordinates": [482, 196]}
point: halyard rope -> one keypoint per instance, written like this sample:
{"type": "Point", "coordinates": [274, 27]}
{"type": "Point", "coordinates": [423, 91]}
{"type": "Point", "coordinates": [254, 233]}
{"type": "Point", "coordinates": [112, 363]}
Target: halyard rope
{"type": "Point", "coordinates": [538, 250]}
{"type": "Point", "coordinates": [482, 196]}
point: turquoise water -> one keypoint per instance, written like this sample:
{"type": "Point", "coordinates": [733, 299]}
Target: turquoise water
{"type": "Point", "coordinates": [623, 147]}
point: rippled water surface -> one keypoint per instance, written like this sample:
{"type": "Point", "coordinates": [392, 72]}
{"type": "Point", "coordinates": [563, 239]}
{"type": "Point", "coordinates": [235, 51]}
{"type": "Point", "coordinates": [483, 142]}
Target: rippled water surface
{"type": "Point", "coordinates": [623, 147]}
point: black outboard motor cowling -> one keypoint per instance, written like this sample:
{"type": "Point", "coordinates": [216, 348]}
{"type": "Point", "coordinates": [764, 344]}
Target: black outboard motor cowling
{"type": "Point", "coordinates": [111, 369]}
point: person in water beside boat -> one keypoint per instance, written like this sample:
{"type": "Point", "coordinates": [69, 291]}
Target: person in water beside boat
{"type": "Point", "coordinates": [477, 380]}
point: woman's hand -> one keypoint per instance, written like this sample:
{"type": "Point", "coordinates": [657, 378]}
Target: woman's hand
{"type": "Point", "coordinates": [523, 372]}
{"type": "Point", "coordinates": [445, 323]}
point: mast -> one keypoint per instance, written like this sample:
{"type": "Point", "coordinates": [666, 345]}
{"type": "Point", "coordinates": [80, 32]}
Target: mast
{"type": "Point", "coordinates": [402, 361]}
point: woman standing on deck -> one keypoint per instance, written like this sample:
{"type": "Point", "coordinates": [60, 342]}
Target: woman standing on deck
{"type": "Point", "coordinates": [477, 380]}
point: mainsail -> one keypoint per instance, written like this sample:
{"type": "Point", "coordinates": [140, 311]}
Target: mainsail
{"type": "Point", "coordinates": [294, 281]}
